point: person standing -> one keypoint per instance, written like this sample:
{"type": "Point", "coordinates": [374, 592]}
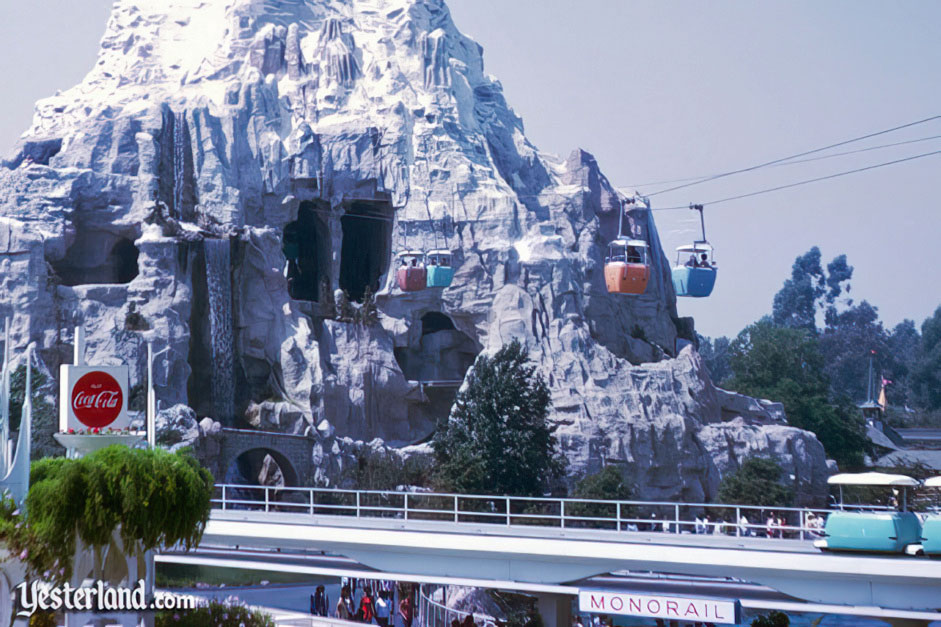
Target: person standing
{"type": "Point", "coordinates": [345, 604]}
{"type": "Point", "coordinates": [406, 611]}
{"type": "Point", "coordinates": [382, 609]}
{"type": "Point", "coordinates": [319, 602]}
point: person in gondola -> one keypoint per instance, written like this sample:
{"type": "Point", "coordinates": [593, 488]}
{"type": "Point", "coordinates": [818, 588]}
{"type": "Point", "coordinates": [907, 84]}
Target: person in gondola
{"type": "Point", "coordinates": [633, 256]}
{"type": "Point", "coordinates": [691, 262]}
{"type": "Point", "coordinates": [704, 263]}
{"type": "Point", "coordinates": [318, 602]}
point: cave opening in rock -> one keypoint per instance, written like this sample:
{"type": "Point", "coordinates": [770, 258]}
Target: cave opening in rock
{"type": "Point", "coordinates": [262, 466]}
{"type": "Point", "coordinates": [442, 354]}
{"type": "Point", "coordinates": [364, 256]}
{"type": "Point", "coordinates": [307, 250]}
{"type": "Point", "coordinates": [98, 258]}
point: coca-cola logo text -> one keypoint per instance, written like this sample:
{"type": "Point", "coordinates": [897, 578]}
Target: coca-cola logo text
{"type": "Point", "coordinates": [97, 399]}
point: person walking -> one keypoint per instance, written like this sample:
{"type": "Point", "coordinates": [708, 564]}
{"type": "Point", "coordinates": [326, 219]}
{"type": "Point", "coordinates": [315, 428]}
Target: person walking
{"type": "Point", "coordinates": [367, 609]}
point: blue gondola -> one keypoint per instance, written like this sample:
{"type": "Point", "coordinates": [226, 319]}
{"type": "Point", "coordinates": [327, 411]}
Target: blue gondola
{"type": "Point", "coordinates": [931, 530]}
{"type": "Point", "coordinates": [872, 529]}
{"type": "Point", "coordinates": [695, 271]}
{"type": "Point", "coordinates": [439, 268]}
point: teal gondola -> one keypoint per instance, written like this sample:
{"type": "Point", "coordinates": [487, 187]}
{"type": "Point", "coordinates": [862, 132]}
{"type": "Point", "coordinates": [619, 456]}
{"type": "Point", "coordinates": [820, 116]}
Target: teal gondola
{"type": "Point", "coordinates": [440, 271]}
{"type": "Point", "coordinates": [694, 274]}
{"type": "Point", "coordinates": [695, 271]}
{"type": "Point", "coordinates": [872, 529]}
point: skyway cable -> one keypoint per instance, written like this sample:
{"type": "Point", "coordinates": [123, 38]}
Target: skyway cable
{"type": "Point", "coordinates": [796, 156]}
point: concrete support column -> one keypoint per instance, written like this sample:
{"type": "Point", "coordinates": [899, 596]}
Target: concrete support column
{"type": "Point", "coordinates": [555, 609]}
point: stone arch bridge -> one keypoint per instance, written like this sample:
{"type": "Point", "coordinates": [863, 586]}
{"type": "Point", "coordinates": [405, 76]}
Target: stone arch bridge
{"type": "Point", "coordinates": [293, 453]}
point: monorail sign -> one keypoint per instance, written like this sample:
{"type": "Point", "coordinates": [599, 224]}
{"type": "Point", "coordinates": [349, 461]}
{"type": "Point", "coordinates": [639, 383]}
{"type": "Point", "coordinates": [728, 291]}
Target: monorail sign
{"type": "Point", "coordinates": [693, 609]}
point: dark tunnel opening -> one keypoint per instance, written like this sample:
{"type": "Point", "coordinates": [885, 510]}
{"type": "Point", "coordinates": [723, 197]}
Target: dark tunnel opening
{"type": "Point", "coordinates": [306, 247]}
{"type": "Point", "coordinates": [364, 256]}
{"type": "Point", "coordinates": [91, 261]}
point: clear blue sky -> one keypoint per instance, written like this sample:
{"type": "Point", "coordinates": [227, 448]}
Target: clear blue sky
{"type": "Point", "coordinates": [670, 89]}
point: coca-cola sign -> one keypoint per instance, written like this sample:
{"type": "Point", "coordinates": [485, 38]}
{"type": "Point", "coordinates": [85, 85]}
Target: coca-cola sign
{"type": "Point", "coordinates": [93, 398]}
{"type": "Point", "coordinates": [97, 399]}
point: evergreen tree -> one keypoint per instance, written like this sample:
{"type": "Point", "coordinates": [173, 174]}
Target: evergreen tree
{"type": "Point", "coordinates": [926, 373]}
{"type": "Point", "coordinates": [715, 356]}
{"type": "Point", "coordinates": [785, 364]}
{"type": "Point", "coordinates": [497, 439]}
{"type": "Point", "coordinates": [756, 482]}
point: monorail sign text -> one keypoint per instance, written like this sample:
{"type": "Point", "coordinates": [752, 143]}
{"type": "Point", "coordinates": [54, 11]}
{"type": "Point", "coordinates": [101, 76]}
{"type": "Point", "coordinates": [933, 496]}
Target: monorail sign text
{"type": "Point", "coordinates": [721, 611]}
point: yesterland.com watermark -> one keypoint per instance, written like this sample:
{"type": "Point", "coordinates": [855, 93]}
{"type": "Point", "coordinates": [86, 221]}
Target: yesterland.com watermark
{"type": "Point", "coordinates": [39, 596]}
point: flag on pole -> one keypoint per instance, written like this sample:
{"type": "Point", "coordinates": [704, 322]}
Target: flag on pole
{"type": "Point", "coordinates": [882, 399]}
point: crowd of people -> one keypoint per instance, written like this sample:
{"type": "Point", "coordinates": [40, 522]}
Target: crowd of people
{"type": "Point", "coordinates": [374, 603]}
{"type": "Point", "coordinates": [772, 526]}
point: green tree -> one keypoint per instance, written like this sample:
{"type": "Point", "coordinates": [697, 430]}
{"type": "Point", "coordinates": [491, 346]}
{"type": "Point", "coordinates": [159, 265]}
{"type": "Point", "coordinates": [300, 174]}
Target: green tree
{"type": "Point", "coordinates": [926, 373]}
{"type": "Point", "coordinates": [608, 484]}
{"type": "Point", "coordinates": [756, 482]}
{"type": "Point", "coordinates": [847, 341]}
{"type": "Point", "coordinates": [785, 364]}
{"type": "Point", "coordinates": [497, 439]}
{"type": "Point", "coordinates": [811, 290]}
{"type": "Point", "coordinates": [45, 420]}
{"type": "Point", "coordinates": [715, 355]}
{"type": "Point", "coordinates": [774, 619]}
{"type": "Point", "coordinates": [154, 498]}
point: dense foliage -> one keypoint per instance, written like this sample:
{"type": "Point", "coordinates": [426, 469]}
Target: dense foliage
{"type": "Point", "coordinates": [608, 484]}
{"type": "Point", "coordinates": [497, 439]}
{"type": "Point", "coordinates": [774, 619]}
{"type": "Point", "coordinates": [821, 342]}
{"type": "Point", "coordinates": [45, 419]}
{"type": "Point", "coordinates": [229, 613]}
{"type": "Point", "coordinates": [785, 364]}
{"type": "Point", "coordinates": [756, 482]}
{"type": "Point", "coordinates": [152, 497]}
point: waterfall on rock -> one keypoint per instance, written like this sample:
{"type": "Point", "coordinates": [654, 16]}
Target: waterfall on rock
{"type": "Point", "coordinates": [219, 287]}
{"type": "Point", "coordinates": [179, 162]}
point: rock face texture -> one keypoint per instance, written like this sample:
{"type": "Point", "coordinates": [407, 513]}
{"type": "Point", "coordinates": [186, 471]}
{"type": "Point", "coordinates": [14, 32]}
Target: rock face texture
{"type": "Point", "coordinates": [233, 180]}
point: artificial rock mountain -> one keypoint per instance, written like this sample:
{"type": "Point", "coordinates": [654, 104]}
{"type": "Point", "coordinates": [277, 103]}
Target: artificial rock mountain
{"type": "Point", "coordinates": [158, 200]}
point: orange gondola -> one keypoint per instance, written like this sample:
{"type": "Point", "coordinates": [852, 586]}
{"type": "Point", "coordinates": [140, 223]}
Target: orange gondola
{"type": "Point", "coordinates": [627, 266]}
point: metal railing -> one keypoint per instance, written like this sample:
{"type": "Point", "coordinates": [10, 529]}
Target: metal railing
{"type": "Point", "coordinates": [511, 511]}
{"type": "Point", "coordinates": [432, 613]}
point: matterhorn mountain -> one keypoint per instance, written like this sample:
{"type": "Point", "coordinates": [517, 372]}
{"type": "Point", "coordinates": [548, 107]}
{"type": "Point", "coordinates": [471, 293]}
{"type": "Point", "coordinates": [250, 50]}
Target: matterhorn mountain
{"type": "Point", "coordinates": [233, 181]}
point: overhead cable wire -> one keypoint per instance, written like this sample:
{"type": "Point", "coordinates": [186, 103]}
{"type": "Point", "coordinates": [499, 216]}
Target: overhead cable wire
{"type": "Point", "coordinates": [778, 165]}
{"type": "Point", "coordinates": [795, 156]}
{"type": "Point", "coordinates": [805, 182]}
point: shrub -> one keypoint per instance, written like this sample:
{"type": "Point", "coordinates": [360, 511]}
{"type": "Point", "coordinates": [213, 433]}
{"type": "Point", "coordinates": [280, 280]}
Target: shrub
{"type": "Point", "coordinates": [228, 613]}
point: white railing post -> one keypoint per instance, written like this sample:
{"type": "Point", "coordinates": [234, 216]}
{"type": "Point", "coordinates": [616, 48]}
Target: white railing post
{"type": "Point", "coordinates": [266, 498]}
{"type": "Point", "coordinates": [223, 497]}
{"type": "Point", "coordinates": [676, 517]}
{"type": "Point", "coordinates": [738, 522]}
{"type": "Point", "coordinates": [562, 512]}
{"type": "Point", "coordinates": [619, 516]}
{"type": "Point", "coordinates": [311, 502]}
{"type": "Point", "coordinates": [357, 505]}
{"type": "Point", "coordinates": [802, 518]}
{"type": "Point", "coordinates": [455, 509]}
{"type": "Point", "coordinates": [507, 511]}
{"type": "Point", "coordinates": [406, 506]}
